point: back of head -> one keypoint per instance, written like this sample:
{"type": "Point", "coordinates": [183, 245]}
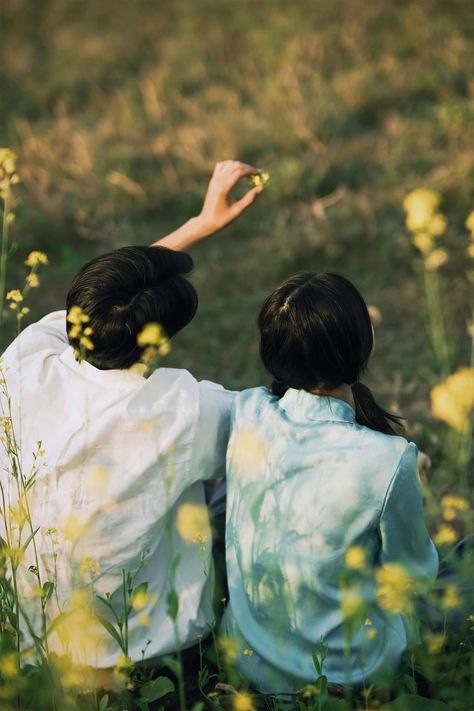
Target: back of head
{"type": "Point", "coordinates": [316, 333]}
{"type": "Point", "coordinates": [123, 290]}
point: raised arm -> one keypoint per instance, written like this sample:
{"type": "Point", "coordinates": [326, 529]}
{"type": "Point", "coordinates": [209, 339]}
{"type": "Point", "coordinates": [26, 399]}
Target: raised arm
{"type": "Point", "coordinates": [218, 210]}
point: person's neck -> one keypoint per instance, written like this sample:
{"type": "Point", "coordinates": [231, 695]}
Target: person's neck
{"type": "Point", "coordinates": [342, 392]}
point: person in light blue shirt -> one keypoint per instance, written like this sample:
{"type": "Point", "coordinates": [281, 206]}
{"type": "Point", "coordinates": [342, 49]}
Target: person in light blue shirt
{"type": "Point", "coordinates": [325, 532]}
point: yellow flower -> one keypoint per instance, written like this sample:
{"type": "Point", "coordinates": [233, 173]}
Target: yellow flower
{"type": "Point", "coordinates": [141, 599]}
{"type": "Point", "coordinates": [242, 702]}
{"type": "Point", "coordinates": [445, 535]}
{"type": "Point", "coordinates": [192, 522]}
{"type": "Point", "coordinates": [454, 501]}
{"type": "Point", "coordinates": [420, 206]}
{"type": "Point", "coordinates": [24, 311]}
{"type": "Point", "coordinates": [247, 652]}
{"type": "Point", "coordinates": [9, 666]}
{"type": "Point", "coordinates": [248, 450]}
{"type": "Point", "coordinates": [260, 180]}
{"type": "Point", "coordinates": [78, 628]}
{"type": "Point", "coordinates": [76, 316]}
{"type": "Point", "coordinates": [436, 259]}
{"type": "Point", "coordinates": [470, 223]}
{"type": "Point", "coordinates": [35, 258]}
{"type": "Point", "coordinates": [7, 161]}
{"type": "Point", "coordinates": [356, 558]}
{"type": "Point", "coordinates": [453, 400]}
{"type": "Point", "coordinates": [144, 619]}
{"type": "Point", "coordinates": [395, 588]}
{"type": "Point", "coordinates": [470, 250]}
{"type": "Point", "coordinates": [15, 295]}
{"type": "Point", "coordinates": [86, 342]}
{"type": "Point", "coordinates": [151, 335]}
{"type": "Point", "coordinates": [123, 668]}
{"type": "Point", "coordinates": [423, 241]}
{"type": "Point", "coordinates": [33, 280]}
{"type": "Point", "coordinates": [435, 643]}
{"type": "Point", "coordinates": [229, 648]}
{"type": "Point", "coordinates": [352, 604]}
{"type": "Point", "coordinates": [73, 527]}
{"type": "Point", "coordinates": [451, 597]}
{"type": "Point", "coordinates": [89, 568]}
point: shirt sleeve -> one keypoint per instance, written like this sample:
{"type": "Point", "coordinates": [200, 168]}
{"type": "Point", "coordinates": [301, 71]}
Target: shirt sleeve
{"type": "Point", "coordinates": [403, 532]}
{"type": "Point", "coordinates": [212, 431]}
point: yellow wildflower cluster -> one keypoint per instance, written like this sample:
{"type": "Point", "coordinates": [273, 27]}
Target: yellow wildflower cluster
{"type": "Point", "coordinates": [356, 558]}
{"type": "Point", "coordinates": [154, 342]}
{"type": "Point", "coordinates": [8, 174]}
{"type": "Point", "coordinates": [192, 522]}
{"type": "Point", "coordinates": [242, 702]}
{"type": "Point", "coordinates": [395, 589]}
{"type": "Point", "coordinates": [260, 180]}
{"type": "Point", "coordinates": [89, 568]}
{"type": "Point", "coordinates": [452, 505]}
{"type": "Point", "coordinates": [35, 258]}
{"type": "Point", "coordinates": [470, 226]}
{"type": "Point", "coordinates": [451, 598]}
{"type": "Point", "coordinates": [426, 223]}
{"type": "Point", "coordinates": [229, 648]}
{"type": "Point", "coordinates": [453, 400]}
{"type": "Point", "coordinates": [77, 318]}
{"type": "Point", "coordinates": [445, 535]}
{"type": "Point", "coordinates": [352, 604]}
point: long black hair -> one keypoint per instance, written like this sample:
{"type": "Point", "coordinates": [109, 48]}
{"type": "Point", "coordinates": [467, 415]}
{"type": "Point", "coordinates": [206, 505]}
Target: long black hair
{"type": "Point", "coordinates": [315, 332]}
{"type": "Point", "coordinates": [123, 290]}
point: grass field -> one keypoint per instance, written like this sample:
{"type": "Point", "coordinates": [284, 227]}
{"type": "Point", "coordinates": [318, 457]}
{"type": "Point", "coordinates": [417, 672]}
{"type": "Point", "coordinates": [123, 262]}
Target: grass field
{"type": "Point", "coordinates": [118, 111]}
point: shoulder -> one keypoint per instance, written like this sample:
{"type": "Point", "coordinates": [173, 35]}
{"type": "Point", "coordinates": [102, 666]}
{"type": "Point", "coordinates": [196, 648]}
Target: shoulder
{"type": "Point", "coordinates": [254, 402]}
{"type": "Point", "coordinates": [47, 334]}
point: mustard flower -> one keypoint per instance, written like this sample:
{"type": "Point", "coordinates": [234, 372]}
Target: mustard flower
{"type": "Point", "coordinates": [36, 258]}
{"type": "Point", "coordinates": [451, 597]}
{"type": "Point", "coordinates": [192, 522]}
{"type": "Point", "coordinates": [436, 259]}
{"type": "Point", "coordinates": [33, 281]}
{"type": "Point", "coordinates": [356, 558]}
{"type": "Point", "coordinates": [470, 223]}
{"type": "Point", "coordinates": [453, 400]}
{"type": "Point", "coordinates": [260, 180]}
{"type": "Point", "coordinates": [242, 702]}
{"type": "Point", "coordinates": [445, 535]}
{"type": "Point", "coordinates": [395, 589]}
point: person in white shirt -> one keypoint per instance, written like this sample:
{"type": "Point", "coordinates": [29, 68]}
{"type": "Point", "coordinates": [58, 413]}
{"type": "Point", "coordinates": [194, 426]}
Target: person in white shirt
{"type": "Point", "coordinates": [124, 456]}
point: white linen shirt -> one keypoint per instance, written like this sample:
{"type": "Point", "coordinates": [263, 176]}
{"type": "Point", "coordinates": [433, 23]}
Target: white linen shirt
{"type": "Point", "coordinates": [122, 455]}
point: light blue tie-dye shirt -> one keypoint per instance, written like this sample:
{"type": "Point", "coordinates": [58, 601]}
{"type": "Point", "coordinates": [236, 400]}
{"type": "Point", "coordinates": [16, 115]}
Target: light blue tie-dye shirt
{"type": "Point", "coordinates": [305, 484]}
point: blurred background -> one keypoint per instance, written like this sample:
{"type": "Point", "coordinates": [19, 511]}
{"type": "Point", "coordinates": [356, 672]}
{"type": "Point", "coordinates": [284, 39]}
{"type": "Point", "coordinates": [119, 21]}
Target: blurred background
{"type": "Point", "coordinates": [118, 111]}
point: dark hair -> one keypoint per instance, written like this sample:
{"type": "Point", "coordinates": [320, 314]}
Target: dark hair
{"type": "Point", "coordinates": [316, 332]}
{"type": "Point", "coordinates": [123, 290]}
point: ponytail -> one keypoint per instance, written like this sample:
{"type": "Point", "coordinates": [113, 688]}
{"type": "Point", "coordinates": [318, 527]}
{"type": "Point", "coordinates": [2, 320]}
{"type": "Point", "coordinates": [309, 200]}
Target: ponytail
{"type": "Point", "coordinates": [369, 414]}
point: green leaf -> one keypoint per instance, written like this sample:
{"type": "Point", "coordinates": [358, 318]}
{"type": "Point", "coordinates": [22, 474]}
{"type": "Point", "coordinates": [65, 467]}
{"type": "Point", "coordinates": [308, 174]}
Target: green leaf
{"type": "Point", "coordinates": [48, 589]}
{"type": "Point", "coordinates": [198, 706]}
{"type": "Point", "coordinates": [110, 629]}
{"type": "Point", "coordinates": [172, 664]}
{"type": "Point", "coordinates": [157, 688]}
{"type": "Point", "coordinates": [172, 604]}
{"type": "Point", "coordinates": [29, 539]}
{"type": "Point", "coordinates": [412, 702]}
{"type": "Point", "coordinates": [103, 702]}
{"type": "Point", "coordinates": [410, 684]}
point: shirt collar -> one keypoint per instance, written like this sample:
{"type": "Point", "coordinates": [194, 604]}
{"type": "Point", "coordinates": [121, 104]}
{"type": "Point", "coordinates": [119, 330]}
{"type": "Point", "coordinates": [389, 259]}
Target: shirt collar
{"type": "Point", "coordinates": [300, 403]}
{"type": "Point", "coordinates": [114, 377]}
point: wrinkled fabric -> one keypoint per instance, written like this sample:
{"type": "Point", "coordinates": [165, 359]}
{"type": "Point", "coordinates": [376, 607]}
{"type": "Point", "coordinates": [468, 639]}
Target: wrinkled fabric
{"type": "Point", "coordinates": [305, 483]}
{"type": "Point", "coordinates": [122, 454]}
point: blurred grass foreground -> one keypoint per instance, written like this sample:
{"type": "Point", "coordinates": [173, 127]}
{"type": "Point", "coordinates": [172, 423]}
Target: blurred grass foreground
{"type": "Point", "coordinates": [363, 113]}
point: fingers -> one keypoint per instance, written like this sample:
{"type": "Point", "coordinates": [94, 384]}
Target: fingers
{"type": "Point", "coordinates": [245, 202]}
{"type": "Point", "coordinates": [234, 168]}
